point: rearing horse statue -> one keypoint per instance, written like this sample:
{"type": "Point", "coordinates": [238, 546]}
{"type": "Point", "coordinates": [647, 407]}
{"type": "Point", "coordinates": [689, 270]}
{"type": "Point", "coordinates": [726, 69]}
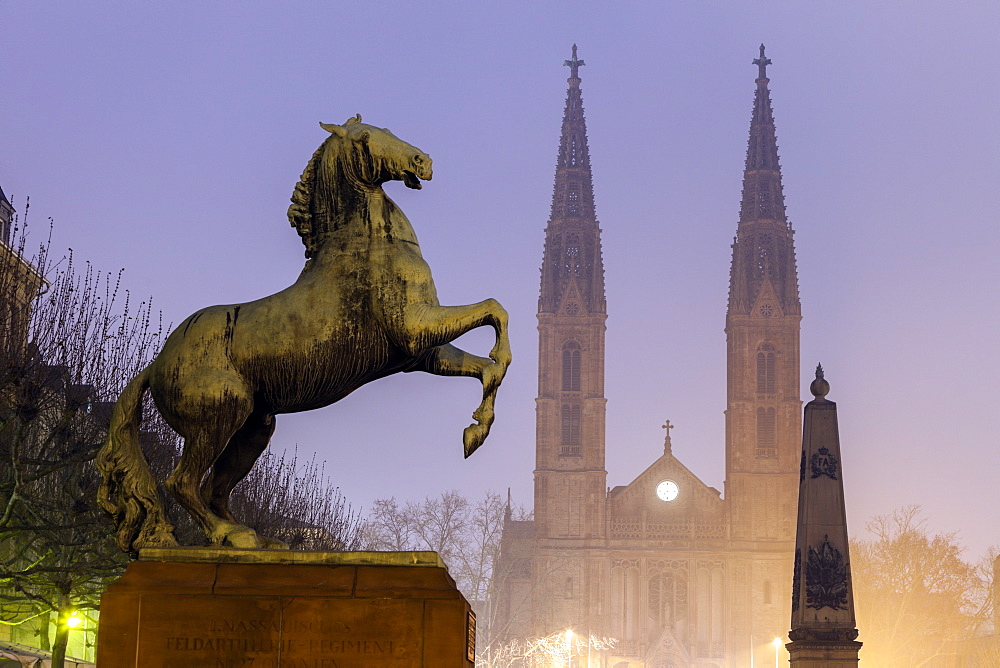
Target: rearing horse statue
{"type": "Point", "coordinates": [364, 307]}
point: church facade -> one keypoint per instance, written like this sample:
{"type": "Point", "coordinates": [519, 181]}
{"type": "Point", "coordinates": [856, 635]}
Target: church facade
{"type": "Point", "coordinates": [676, 573]}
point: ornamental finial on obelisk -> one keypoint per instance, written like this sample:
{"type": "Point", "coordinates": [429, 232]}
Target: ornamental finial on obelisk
{"type": "Point", "coordinates": [819, 388]}
{"type": "Point", "coordinates": [823, 624]}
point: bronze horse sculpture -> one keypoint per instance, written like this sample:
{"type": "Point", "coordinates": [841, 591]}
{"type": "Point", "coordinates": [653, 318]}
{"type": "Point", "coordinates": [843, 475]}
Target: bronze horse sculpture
{"type": "Point", "coordinates": [364, 307]}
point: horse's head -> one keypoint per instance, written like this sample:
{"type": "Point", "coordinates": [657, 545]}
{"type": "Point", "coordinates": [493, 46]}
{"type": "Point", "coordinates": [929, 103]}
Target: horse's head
{"type": "Point", "coordinates": [373, 155]}
{"type": "Point", "coordinates": [357, 157]}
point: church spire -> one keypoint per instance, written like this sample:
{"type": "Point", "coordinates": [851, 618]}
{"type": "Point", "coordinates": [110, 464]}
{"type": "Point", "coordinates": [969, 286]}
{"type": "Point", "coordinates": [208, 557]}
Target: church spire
{"type": "Point", "coordinates": [762, 153]}
{"type": "Point", "coordinates": [763, 252]}
{"type": "Point", "coordinates": [763, 409]}
{"type": "Point", "coordinates": [572, 260]}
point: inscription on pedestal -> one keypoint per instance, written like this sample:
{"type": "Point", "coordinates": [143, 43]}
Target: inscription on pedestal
{"type": "Point", "coordinates": [234, 632]}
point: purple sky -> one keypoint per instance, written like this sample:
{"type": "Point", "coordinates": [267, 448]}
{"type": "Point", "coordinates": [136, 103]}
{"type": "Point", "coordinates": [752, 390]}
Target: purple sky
{"type": "Point", "coordinates": [166, 138]}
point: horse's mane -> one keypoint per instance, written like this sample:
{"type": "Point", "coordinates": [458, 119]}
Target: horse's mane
{"type": "Point", "coordinates": [300, 213]}
{"type": "Point", "coordinates": [310, 213]}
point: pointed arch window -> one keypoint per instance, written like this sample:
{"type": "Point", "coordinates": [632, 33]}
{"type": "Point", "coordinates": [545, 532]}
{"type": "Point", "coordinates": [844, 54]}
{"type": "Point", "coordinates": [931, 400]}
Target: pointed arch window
{"type": "Point", "coordinates": [626, 590]}
{"type": "Point", "coordinates": [571, 367]}
{"type": "Point", "coordinates": [766, 433]}
{"type": "Point", "coordinates": [766, 369]}
{"type": "Point", "coordinates": [571, 263]}
{"type": "Point", "coordinates": [570, 430]}
{"type": "Point", "coordinates": [763, 253]}
{"type": "Point", "coordinates": [667, 597]}
{"type": "Point", "coordinates": [574, 200]}
{"type": "Point", "coordinates": [762, 203]}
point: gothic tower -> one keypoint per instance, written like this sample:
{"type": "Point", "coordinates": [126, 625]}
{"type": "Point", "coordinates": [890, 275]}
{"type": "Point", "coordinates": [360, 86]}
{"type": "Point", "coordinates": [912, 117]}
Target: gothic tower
{"type": "Point", "coordinates": [570, 480]}
{"type": "Point", "coordinates": [763, 423]}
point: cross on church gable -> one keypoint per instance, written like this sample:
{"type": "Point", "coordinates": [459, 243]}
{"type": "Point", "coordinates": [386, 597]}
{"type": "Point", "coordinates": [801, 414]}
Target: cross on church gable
{"type": "Point", "coordinates": [666, 426]}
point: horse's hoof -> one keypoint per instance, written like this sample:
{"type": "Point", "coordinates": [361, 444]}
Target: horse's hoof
{"type": "Point", "coordinates": [473, 437]}
{"type": "Point", "coordinates": [272, 543]}
{"type": "Point", "coordinates": [245, 538]}
{"type": "Point", "coordinates": [158, 540]}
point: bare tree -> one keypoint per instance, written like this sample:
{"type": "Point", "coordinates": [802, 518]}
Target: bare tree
{"type": "Point", "coordinates": [918, 601]}
{"type": "Point", "coordinates": [466, 535]}
{"type": "Point", "coordinates": [296, 504]}
{"type": "Point", "coordinates": [64, 355]}
{"type": "Point", "coordinates": [387, 527]}
{"type": "Point", "coordinates": [557, 649]}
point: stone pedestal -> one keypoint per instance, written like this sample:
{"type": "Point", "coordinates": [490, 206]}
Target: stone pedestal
{"type": "Point", "coordinates": [823, 654]}
{"type": "Point", "coordinates": [211, 608]}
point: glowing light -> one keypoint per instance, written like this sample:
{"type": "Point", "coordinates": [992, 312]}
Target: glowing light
{"type": "Point", "coordinates": [73, 621]}
{"type": "Point", "coordinates": [777, 646]}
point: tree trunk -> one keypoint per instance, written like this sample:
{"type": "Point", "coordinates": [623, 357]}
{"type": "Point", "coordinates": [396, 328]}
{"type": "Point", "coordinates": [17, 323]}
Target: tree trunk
{"type": "Point", "coordinates": [44, 641]}
{"type": "Point", "coordinates": [62, 632]}
{"type": "Point", "coordinates": [59, 646]}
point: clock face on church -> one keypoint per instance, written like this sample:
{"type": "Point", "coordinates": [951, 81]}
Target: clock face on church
{"type": "Point", "coordinates": [667, 490]}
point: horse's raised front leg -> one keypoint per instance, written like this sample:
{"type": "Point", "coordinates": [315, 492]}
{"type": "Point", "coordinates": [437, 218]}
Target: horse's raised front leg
{"type": "Point", "coordinates": [427, 326]}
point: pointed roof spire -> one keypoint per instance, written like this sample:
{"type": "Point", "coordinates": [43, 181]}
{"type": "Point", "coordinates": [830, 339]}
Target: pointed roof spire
{"type": "Point", "coordinates": [6, 214]}
{"type": "Point", "coordinates": [573, 236]}
{"type": "Point", "coordinates": [763, 252]}
{"type": "Point", "coordinates": [762, 152]}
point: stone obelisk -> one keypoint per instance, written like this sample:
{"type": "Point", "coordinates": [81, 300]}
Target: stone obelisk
{"type": "Point", "coordinates": [823, 631]}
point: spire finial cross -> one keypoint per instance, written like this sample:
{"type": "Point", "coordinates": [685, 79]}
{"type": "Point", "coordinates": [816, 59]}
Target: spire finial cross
{"type": "Point", "coordinates": [574, 65]}
{"type": "Point", "coordinates": [762, 64]}
{"type": "Point", "coordinates": [666, 439]}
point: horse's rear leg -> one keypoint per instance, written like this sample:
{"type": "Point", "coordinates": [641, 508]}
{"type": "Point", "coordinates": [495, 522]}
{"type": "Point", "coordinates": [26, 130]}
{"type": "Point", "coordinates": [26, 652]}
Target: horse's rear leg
{"type": "Point", "coordinates": [211, 425]}
{"type": "Point", "coordinates": [233, 465]}
{"type": "Point", "coordinates": [448, 360]}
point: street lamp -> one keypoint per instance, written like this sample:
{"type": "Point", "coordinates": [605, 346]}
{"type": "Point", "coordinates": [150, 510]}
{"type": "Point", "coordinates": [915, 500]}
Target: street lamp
{"type": "Point", "coordinates": [777, 646]}
{"type": "Point", "coordinates": [73, 620]}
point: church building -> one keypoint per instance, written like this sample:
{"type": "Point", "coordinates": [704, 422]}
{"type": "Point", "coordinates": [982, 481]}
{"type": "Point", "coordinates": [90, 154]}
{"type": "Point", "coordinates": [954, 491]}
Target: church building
{"type": "Point", "coordinates": [676, 573]}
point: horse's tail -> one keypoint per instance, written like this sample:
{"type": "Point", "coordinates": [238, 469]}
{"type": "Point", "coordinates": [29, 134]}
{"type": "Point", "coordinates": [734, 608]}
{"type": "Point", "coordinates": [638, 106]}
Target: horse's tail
{"type": "Point", "coordinates": [128, 490]}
